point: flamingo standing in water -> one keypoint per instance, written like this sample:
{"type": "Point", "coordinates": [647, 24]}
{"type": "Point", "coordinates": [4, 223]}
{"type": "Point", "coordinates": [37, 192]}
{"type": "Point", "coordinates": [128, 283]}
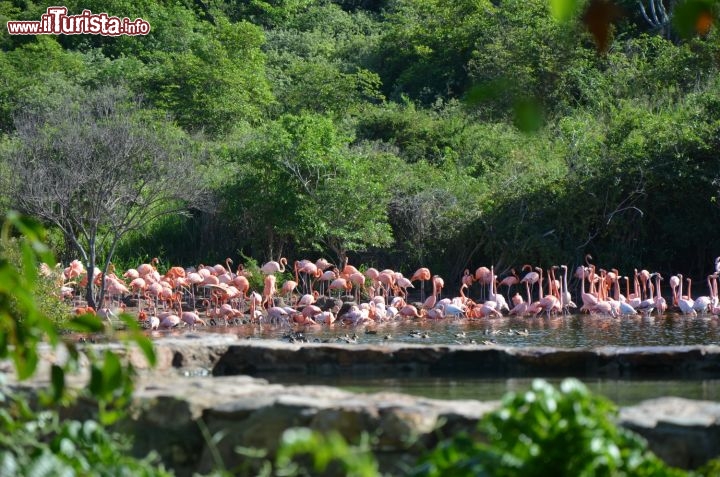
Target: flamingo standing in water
{"type": "Point", "coordinates": [565, 296]}
{"type": "Point", "coordinates": [402, 284]}
{"type": "Point", "coordinates": [431, 301]}
{"type": "Point", "coordinates": [549, 302]}
{"type": "Point", "coordinates": [483, 276]}
{"type": "Point", "coordinates": [519, 305]}
{"type": "Point", "coordinates": [701, 303]}
{"type": "Point", "coordinates": [357, 280]}
{"type": "Point", "coordinates": [269, 291]}
{"type": "Point", "coordinates": [422, 274]}
{"type": "Point", "coordinates": [589, 300]}
{"type": "Point", "coordinates": [674, 282]}
{"type": "Point", "coordinates": [644, 277]}
{"type": "Point", "coordinates": [510, 280]}
{"type": "Point", "coordinates": [494, 296]}
{"type": "Point", "coordinates": [685, 303]}
{"type": "Point", "coordinates": [191, 318]}
{"type": "Point", "coordinates": [530, 278]}
{"type": "Point", "coordinates": [659, 301]}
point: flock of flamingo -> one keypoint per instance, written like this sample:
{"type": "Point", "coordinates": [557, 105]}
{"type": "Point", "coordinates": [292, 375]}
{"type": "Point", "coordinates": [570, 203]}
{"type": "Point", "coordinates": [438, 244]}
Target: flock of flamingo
{"type": "Point", "coordinates": [211, 295]}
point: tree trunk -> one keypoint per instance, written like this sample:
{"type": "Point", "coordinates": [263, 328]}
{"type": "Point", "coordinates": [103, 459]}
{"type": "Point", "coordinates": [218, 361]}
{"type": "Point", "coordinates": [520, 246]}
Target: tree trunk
{"type": "Point", "coordinates": [89, 293]}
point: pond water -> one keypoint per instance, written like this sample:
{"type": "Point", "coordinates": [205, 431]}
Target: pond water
{"type": "Point", "coordinates": [621, 392]}
{"type": "Point", "coordinates": [573, 331]}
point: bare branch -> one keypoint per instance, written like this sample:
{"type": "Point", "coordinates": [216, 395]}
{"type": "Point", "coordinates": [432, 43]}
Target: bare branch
{"type": "Point", "coordinates": [97, 170]}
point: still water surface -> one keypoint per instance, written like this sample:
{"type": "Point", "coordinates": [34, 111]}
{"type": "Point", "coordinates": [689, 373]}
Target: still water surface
{"type": "Point", "coordinates": [575, 331]}
{"type": "Point", "coordinates": [621, 392]}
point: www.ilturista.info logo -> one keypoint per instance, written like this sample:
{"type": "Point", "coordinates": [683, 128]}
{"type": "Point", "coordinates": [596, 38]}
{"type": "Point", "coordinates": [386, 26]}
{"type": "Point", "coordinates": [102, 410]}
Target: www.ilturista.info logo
{"type": "Point", "coordinates": [57, 22]}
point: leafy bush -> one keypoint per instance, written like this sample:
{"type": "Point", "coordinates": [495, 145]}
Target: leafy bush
{"type": "Point", "coordinates": [41, 443]}
{"type": "Point", "coordinates": [546, 431]}
{"type": "Point", "coordinates": [328, 454]}
{"type": "Point", "coordinates": [47, 297]}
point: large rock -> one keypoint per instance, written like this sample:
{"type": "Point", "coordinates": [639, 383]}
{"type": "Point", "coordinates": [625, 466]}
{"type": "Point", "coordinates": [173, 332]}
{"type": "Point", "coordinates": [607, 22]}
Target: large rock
{"type": "Point", "coordinates": [683, 432]}
{"type": "Point", "coordinates": [198, 422]}
{"type": "Point", "coordinates": [177, 418]}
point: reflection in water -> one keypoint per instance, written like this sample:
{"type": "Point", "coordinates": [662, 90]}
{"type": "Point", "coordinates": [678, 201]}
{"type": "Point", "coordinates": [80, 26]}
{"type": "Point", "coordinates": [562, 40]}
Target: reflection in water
{"type": "Point", "coordinates": [621, 392]}
{"type": "Point", "coordinates": [576, 331]}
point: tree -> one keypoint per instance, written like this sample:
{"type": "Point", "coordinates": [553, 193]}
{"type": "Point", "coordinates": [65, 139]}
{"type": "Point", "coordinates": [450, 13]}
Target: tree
{"type": "Point", "coordinates": [215, 82]}
{"type": "Point", "coordinates": [315, 189]}
{"type": "Point", "coordinates": [97, 169]}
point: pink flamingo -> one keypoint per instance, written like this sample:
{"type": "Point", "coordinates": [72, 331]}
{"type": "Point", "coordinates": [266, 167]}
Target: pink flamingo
{"type": "Point", "coordinates": [269, 290]}
{"type": "Point", "coordinates": [308, 299]}
{"type": "Point", "coordinates": [242, 284]}
{"type": "Point", "coordinates": [387, 278]}
{"type": "Point", "coordinates": [519, 305]}
{"type": "Point", "coordinates": [348, 269]}
{"type": "Point", "coordinates": [327, 277]}
{"type": "Point", "coordinates": [589, 300]}
{"type": "Point", "coordinates": [530, 278]}
{"type": "Point", "coordinates": [147, 268]}
{"type": "Point", "coordinates": [494, 296]}
{"type": "Point", "coordinates": [287, 288]}
{"type": "Point", "coordinates": [431, 301]}
{"type": "Point", "coordinates": [274, 267]}
{"type": "Point", "coordinates": [357, 280]}
{"type": "Point", "coordinates": [467, 278]}
{"type": "Point", "coordinates": [510, 280]}
{"type": "Point", "coordinates": [674, 283]}
{"type": "Point", "coordinates": [372, 274]}
{"type": "Point", "coordinates": [685, 303]}
{"type": "Point", "coordinates": [660, 303]}
{"type": "Point", "coordinates": [644, 277]}
{"type": "Point", "coordinates": [565, 296]}
{"type": "Point", "coordinates": [422, 274]}
{"type": "Point", "coordinates": [410, 311]}
{"type": "Point", "coordinates": [190, 317]}
{"type": "Point", "coordinates": [311, 273]}
{"type": "Point", "coordinates": [483, 277]}
{"type": "Point", "coordinates": [402, 284]}
{"type": "Point", "coordinates": [340, 284]}
{"type": "Point", "coordinates": [322, 264]}
{"type": "Point", "coordinates": [169, 319]}
{"type": "Point", "coordinates": [701, 303]}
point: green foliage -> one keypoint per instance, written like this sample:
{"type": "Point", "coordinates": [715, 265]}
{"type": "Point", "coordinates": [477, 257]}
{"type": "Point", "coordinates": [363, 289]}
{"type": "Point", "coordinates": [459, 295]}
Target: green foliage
{"type": "Point", "coordinates": [216, 81]}
{"type": "Point", "coordinates": [425, 51]}
{"type": "Point", "coordinates": [694, 17]}
{"type": "Point", "coordinates": [47, 298]}
{"type": "Point", "coordinates": [316, 190]}
{"type": "Point", "coordinates": [35, 443]}
{"type": "Point", "coordinates": [22, 327]}
{"type": "Point", "coordinates": [40, 443]}
{"type": "Point", "coordinates": [418, 94]}
{"type": "Point", "coordinates": [329, 454]}
{"type": "Point", "coordinates": [564, 10]}
{"type": "Point", "coordinates": [546, 431]}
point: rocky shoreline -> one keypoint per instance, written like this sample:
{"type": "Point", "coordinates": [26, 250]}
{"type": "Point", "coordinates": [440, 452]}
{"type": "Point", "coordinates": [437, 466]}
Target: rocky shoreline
{"type": "Point", "coordinates": [202, 386]}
